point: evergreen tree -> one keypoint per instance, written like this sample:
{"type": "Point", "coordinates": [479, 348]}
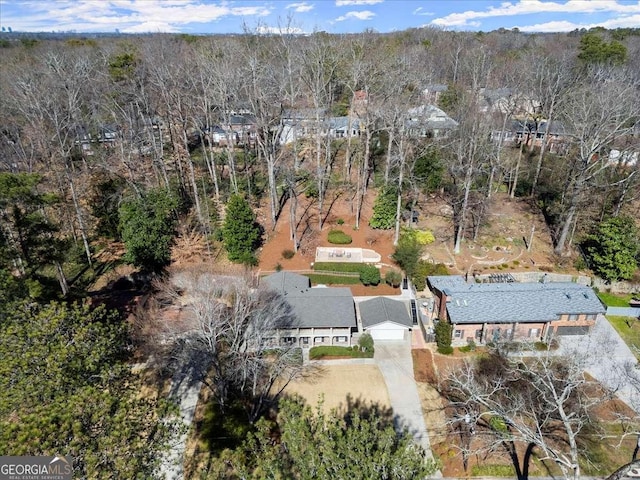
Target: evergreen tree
{"type": "Point", "coordinates": [67, 388]}
{"type": "Point", "coordinates": [613, 248]}
{"type": "Point", "coordinates": [241, 233]}
{"type": "Point", "coordinates": [360, 445]}
{"type": "Point", "coordinates": [147, 226]}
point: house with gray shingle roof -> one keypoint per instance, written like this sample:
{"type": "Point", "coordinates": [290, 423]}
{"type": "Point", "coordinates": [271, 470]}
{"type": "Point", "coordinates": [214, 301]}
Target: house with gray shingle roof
{"type": "Point", "coordinates": [486, 312]}
{"type": "Point", "coordinates": [385, 319]}
{"type": "Point", "coordinates": [326, 316]}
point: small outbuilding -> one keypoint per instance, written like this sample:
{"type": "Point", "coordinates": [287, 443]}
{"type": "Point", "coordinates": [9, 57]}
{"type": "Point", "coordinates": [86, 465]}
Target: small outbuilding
{"type": "Point", "coordinates": [385, 319]}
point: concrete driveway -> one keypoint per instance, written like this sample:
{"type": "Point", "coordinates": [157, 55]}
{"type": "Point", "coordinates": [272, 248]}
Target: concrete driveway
{"type": "Point", "coordinates": [395, 362]}
{"type": "Point", "coordinates": [607, 358]}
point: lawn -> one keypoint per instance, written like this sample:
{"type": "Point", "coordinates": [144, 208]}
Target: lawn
{"type": "Point", "coordinates": [629, 330]}
{"type": "Point", "coordinates": [317, 353]}
{"type": "Point", "coordinates": [611, 300]}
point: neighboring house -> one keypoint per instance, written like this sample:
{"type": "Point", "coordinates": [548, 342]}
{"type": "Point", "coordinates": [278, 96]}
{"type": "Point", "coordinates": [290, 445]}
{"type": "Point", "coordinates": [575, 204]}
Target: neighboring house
{"type": "Point", "coordinates": [432, 93]}
{"type": "Point", "coordinates": [326, 316]}
{"type": "Point", "coordinates": [429, 121]}
{"type": "Point", "coordinates": [303, 123]}
{"type": "Point", "coordinates": [486, 312]}
{"type": "Point", "coordinates": [385, 319]}
{"type": "Point", "coordinates": [532, 133]}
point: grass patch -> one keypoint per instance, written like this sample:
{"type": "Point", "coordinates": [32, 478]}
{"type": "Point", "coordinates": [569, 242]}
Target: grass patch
{"type": "Point", "coordinates": [612, 300]}
{"type": "Point", "coordinates": [327, 279]}
{"type": "Point", "coordinates": [338, 237]}
{"type": "Point", "coordinates": [628, 328]}
{"type": "Point", "coordinates": [493, 471]}
{"type": "Point", "coordinates": [219, 431]}
{"type": "Point", "coordinates": [324, 351]}
{"type": "Point", "coordinates": [347, 267]}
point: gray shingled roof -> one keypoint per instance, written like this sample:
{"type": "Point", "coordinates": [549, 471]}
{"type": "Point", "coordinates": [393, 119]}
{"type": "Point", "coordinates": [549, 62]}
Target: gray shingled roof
{"type": "Point", "coordinates": [379, 310]}
{"type": "Point", "coordinates": [286, 281]}
{"type": "Point", "coordinates": [514, 302]}
{"type": "Point", "coordinates": [320, 307]}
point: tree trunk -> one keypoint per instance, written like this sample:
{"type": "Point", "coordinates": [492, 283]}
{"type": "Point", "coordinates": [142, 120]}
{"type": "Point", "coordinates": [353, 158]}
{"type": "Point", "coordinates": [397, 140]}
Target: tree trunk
{"type": "Point", "coordinates": [543, 146]}
{"type": "Point", "coordinates": [463, 209]}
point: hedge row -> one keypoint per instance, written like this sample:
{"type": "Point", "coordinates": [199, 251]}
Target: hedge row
{"type": "Point", "coordinates": [332, 279]}
{"type": "Point", "coordinates": [339, 267]}
{"type": "Point", "coordinates": [334, 351]}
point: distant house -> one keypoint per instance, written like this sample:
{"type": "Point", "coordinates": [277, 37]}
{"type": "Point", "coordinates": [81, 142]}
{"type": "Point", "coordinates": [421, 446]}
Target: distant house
{"type": "Point", "coordinates": [432, 93]}
{"type": "Point", "coordinates": [326, 316]}
{"type": "Point", "coordinates": [513, 311]}
{"type": "Point", "coordinates": [385, 319]}
{"type": "Point", "coordinates": [532, 133]}
{"type": "Point", "coordinates": [307, 122]}
{"type": "Point", "coordinates": [429, 121]}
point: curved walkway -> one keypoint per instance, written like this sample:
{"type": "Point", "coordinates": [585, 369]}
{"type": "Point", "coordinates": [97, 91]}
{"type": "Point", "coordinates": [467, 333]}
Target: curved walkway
{"type": "Point", "coordinates": [396, 365]}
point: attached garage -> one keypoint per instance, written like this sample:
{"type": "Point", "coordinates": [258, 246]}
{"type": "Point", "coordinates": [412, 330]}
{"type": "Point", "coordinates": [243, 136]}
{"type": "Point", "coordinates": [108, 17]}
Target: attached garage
{"type": "Point", "coordinates": [387, 331]}
{"type": "Point", "coordinates": [385, 319]}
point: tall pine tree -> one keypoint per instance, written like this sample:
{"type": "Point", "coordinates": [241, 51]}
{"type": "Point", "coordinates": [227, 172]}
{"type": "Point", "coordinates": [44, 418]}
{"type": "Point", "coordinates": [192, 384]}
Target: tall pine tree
{"type": "Point", "coordinates": [241, 233]}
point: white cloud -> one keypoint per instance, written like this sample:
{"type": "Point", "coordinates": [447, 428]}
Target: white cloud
{"type": "Point", "coordinates": [364, 15]}
{"type": "Point", "coordinates": [631, 21]}
{"type": "Point", "coordinates": [345, 3]}
{"type": "Point", "coordinates": [126, 15]}
{"type": "Point", "coordinates": [527, 7]}
{"type": "Point", "coordinates": [300, 7]}
{"type": "Point", "coordinates": [264, 30]}
{"type": "Point", "coordinates": [421, 11]}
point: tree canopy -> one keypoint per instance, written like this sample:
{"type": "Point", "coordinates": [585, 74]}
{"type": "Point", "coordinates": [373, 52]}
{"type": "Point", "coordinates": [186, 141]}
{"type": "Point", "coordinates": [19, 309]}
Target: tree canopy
{"type": "Point", "coordinates": [67, 389]}
{"type": "Point", "coordinates": [240, 232]}
{"type": "Point", "coordinates": [147, 225]}
{"type": "Point", "coordinates": [613, 248]}
{"type": "Point", "coordinates": [314, 445]}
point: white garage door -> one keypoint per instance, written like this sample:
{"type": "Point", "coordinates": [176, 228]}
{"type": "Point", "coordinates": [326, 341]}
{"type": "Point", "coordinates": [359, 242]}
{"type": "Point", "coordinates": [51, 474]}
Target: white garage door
{"type": "Point", "coordinates": [387, 333]}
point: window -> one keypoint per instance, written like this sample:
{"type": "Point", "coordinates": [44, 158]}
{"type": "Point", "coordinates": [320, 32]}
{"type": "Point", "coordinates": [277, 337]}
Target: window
{"type": "Point", "coordinates": [458, 334]}
{"type": "Point", "coordinates": [478, 334]}
{"type": "Point", "coordinates": [318, 339]}
{"type": "Point", "coordinates": [305, 340]}
{"type": "Point", "coordinates": [288, 340]}
{"type": "Point", "coordinates": [573, 317]}
{"type": "Point", "coordinates": [341, 339]}
{"type": "Point", "coordinates": [534, 332]}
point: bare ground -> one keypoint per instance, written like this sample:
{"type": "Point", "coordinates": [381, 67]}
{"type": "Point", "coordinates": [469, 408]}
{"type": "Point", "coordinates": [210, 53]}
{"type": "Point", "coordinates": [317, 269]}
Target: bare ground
{"type": "Point", "coordinates": [338, 385]}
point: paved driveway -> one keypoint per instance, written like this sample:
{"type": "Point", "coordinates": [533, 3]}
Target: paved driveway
{"type": "Point", "coordinates": [395, 363]}
{"type": "Point", "coordinates": [607, 357]}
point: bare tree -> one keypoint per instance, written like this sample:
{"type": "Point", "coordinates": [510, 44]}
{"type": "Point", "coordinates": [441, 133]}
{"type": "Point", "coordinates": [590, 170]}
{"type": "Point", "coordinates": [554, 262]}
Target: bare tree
{"type": "Point", "coordinates": [542, 403]}
{"type": "Point", "coordinates": [596, 112]}
{"type": "Point", "coordinates": [234, 329]}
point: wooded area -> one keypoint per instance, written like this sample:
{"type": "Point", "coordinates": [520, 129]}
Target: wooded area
{"type": "Point", "coordinates": [143, 139]}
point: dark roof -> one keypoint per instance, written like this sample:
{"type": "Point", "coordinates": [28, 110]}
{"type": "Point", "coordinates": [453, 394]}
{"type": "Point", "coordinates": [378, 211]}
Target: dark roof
{"type": "Point", "coordinates": [380, 309]}
{"type": "Point", "coordinates": [314, 307]}
{"type": "Point", "coordinates": [287, 281]}
{"type": "Point", "coordinates": [514, 302]}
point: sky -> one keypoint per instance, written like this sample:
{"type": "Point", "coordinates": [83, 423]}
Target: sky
{"type": "Point", "coordinates": [296, 16]}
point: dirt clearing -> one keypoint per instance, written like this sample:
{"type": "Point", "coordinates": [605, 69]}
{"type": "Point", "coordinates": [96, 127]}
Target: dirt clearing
{"type": "Point", "coordinates": [337, 383]}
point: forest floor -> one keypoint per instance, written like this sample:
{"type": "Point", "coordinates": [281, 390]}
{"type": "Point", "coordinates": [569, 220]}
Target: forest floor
{"type": "Point", "coordinates": [500, 245]}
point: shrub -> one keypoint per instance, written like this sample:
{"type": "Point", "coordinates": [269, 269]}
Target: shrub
{"type": "Point", "coordinates": [445, 350]}
{"type": "Point", "coordinates": [340, 221]}
{"type": "Point", "coordinates": [287, 253]}
{"type": "Point", "coordinates": [366, 343]}
{"type": "Point", "coordinates": [424, 269]}
{"type": "Point", "coordinates": [393, 278]}
{"type": "Point", "coordinates": [278, 267]}
{"type": "Point", "coordinates": [370, 275]}
{"type": "Point", "coordinates": [384, 210]}
{"type": "Point", "coordinates": [424, 237]}
{"type": "Point", "coordinates": [338, 237]}
{"type": "Point", "coordinates": [443, 332]}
